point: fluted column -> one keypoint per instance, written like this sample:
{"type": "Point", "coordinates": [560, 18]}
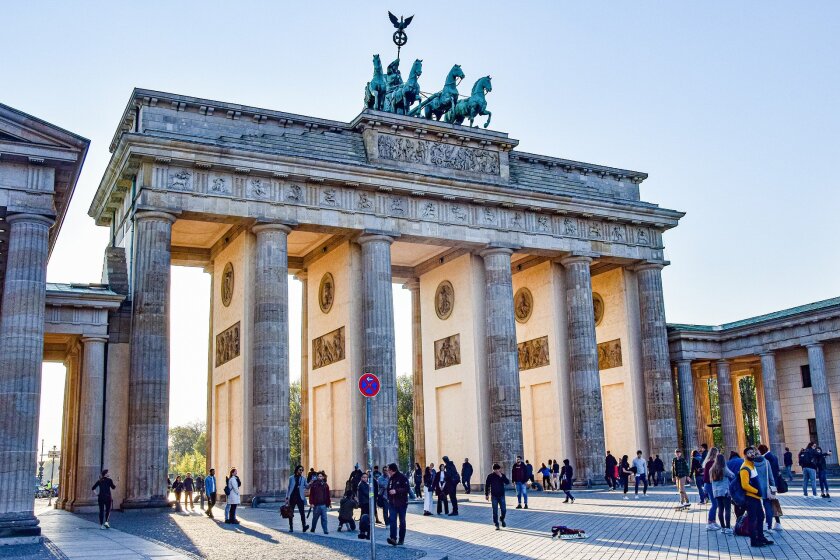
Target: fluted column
{"type": "Point", "coordinates": [703, 409]}
{"type": "Point", "coordinates": [822, 402]}
{"type": "Point", "coordinates": [584, 377]}
{"type": "Point", "coordinates": [91, 413]}
{"type": "Point", "coordinates": [417, 373]}
{"type": "Point", "coordinates": [726, 403]}
{"type": "Point", "coordinates": [270, 383]}
{"type": "Point", "coordinates": [148, 377]}
{"type": "Point", "coordinates": [379, 353]}
{"type": "Point", "coordinates": [304, 368]}
{"type": "Point", "coordinates": [502, 359]}
{"type": "Point", "coordinates": [659, 393]}
{"type": "Point", "coordinates": [21, 355]}
{"type": "Point", "coordinates": [687, 410]}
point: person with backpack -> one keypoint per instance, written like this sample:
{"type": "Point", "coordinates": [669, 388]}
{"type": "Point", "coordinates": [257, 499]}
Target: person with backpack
{"type": "Point", "coordinates": [452, 481]}
{"type": "Point", "coordinates": [232, 490]}
{"type": "Point", "coordinates": [720, 477]}
{"type": "Point", "coordinates": [519, 476]}
{"type": "Point", "coordinates": [295, 496]}
{"type": "Point", "coordinates": [807, 460]}
{"type": "Point", "coordinates": [679, 472]}
{"type": "Point", "coordinates": [319, 499]}
{"type": "Point", "coordinates": [103, 488]}
{"type": "Point", "coordinates": [494, 487]}
{"type": "Point", "coordinates": [822, 473]}
{"type": "Point", "coordinates": [776, 485]}
{"type": "Point", "coordinates": [750, 494]}
{"type": "Point", "coordinates": [658, 471]}
{"type": "Point", "coordinates": [566, 478]}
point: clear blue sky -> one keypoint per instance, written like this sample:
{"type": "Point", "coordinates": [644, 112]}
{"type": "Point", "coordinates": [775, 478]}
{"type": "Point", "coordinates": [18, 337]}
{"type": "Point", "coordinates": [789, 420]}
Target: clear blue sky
{"type": "Point", "coordinates": [733, 110]}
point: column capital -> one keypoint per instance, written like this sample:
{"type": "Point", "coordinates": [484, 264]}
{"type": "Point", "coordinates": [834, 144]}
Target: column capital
{"type": "Point", "coordinates": [271, 226]}
{"type": "Point", "coordinates": [576, 258]}
{"type": "Point", "coordinates": [723, 361]}
{"type": "Point", "coordinates": [684, 362]}
{"type": "Point", "coordinates": [413, 285]}
{"type": "Point", "coordinates": [370, 236]}
{"type": "Point", "coordinates": [767, 353]}
{"type": "Point", "coordinates": [94, 338]}
{"type": "Point", "coordinates": [814, 345]}
{"type": "Point", "coordinates": [302, 275]}
{"type": "Point", "coordinates": [33, 218]}
{"type": "Point", "coordinates": [495, 250]}
{"type": "Point", "coordinates": [649, 265]}
{"type": "Point", "coordinates": [155, 215]}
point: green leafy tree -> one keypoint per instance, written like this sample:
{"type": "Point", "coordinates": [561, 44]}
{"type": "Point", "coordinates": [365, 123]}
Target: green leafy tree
{"type": "Point", "coordinates": [405, 420]}
{"type": "Point", "coordinates": [294, 424]}
{"type": "Point", "coordinates": [749, 409]}
{"type": "Point", "coordinates": [188, 448]}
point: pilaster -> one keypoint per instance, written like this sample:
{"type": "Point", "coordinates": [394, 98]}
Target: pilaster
{"type": "Point", "coordinates": [688, 413]}
{"type": "Point", "coordinates": [417, 372]}
{"type": "Point", "coordinates": [727, 406]}
{"type": "Point", "coordinates": [772, 404]}
{"type": "Point", "coordinates": [303, 276]}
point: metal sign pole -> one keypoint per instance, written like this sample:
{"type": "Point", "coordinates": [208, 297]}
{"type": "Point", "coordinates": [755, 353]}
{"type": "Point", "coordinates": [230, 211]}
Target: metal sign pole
{"type": "Point", "coordinates": [371, 505]}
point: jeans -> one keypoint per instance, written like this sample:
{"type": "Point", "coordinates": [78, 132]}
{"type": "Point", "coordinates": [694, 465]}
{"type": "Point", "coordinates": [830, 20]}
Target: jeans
{"type": "Point", "coordinates": [724, 511]}
{"type": "Point", "coordinates": [319, 511]}
{"type": "Point", "coordinates": [821, 474]}
{"type": "Point", "coordinates": [707, 487]}
{"type": "Point", "coordinates": [809, 474]}
{"type": "Point", "coordinates": [466, 482]}
{"type": "Point", "coordinates": [227, 510]}
{"type": "Point", "coordinates": [569, 495]}
{"type": "Point", "coordinates": [105, 509]}
{"type": "Point", "coordinates": [498, 503]}
{"type": "Point", "coordinates": [768, 512]}
{"type": "Point", "coordinates": [610, 481]}
{"type": "Point", "coordinates": [211, 501]}
{"type": "Point", "coordinates": [522, 491]}
{"type": "Point", "coordinates": [788, 472]}
{"type": "Point", "coordinates": [755, 512]}
{"type": "Point", "coordinates": [398, 514]}
{"type": "Point", "coordinates": [701, 491]}
{"type": "Point", "coordinates": [643, 478]}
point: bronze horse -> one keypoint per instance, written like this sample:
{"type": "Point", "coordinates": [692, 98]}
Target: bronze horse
{"type": "Point", "coordinates": [375, 88]}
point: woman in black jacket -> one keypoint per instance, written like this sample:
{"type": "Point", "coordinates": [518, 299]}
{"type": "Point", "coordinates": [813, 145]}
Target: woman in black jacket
{"type": "Point", "coordinates": [624, 473]}
{"type": "Point", "coordinates": [418, 480]}
{"type": "Point", "coordinates": [103, 489]}
{"type": "Point", "coordinates": [429, 485]}
{"type": "Point", "coordinates": [566, 476]}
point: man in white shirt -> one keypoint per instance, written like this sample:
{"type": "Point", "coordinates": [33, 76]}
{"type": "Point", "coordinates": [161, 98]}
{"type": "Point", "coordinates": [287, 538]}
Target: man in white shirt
{"type": "Point", "coordinates": [639, 467]}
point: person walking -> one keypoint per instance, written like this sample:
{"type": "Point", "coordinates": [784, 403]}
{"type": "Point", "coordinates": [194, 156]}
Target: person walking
{"type": "Point", "coordinates": [199, 487]}
{"type": "Point", "coordinates": [545, 472]}
{"type": "Point", "coordinates": [680, 472]}
{"type": "Point", "coordinates": [429, 487]}
{"type": "Point", "coordinates": [822, 473]}
{"type": "Point", "coordinates": [566, 478]}
{"type": "Point", "coordinates": [466, 475]}
{"type": "Point", "coordinates": [234, 498]}
{"type": "Point", "coordinates": [610, 464]}
{"type": "Point", "coordinates": [640, 470]}
{"type": "Point", "coordinates": [398, 501]}
{"type": "Point", "coordinates": [530, 468]}
{"type": "Point", "coordinates": [418, 480]}
{"type": "Point", "coordinates": [697, 474]}
{"type": "Point", "coordinates": [295, 495]}
{"type": "Point", "coordinates": [210, 490]}
{"type": "Point", "coordinates": [319, 499]}
{"type": "Point", "coordinates": [767, 485]}
{"type": "Point", "coordinates": [382, 496]}
{"type": "Point", "coordinates": [788, 459]}
{"type": "Point", "coordinates": [748, 478]}
{"type": "Point", "coordinates": [178, 489]}
{"type": "Point", "coordinates": [720, 477]}
{"type": "Point", "coordinates": [452, 480]}
{"type": "Point", "coordinates": [555, 474]}
{"type": "Point", "coordinates": [494, 490]}
{"type": "Point", "coordinates": [440, 490]}
{"type": "Point", "coordinates": [658, 471]}
{"type": "Point", "coordinates": [624, 473]}
{"type": "Point", "coordinates": [707, 489]}
{"type": "Point", "coordinates": [103, 488]}
{"type": "Point", "coordinates": [519, 476]}
{"type": "Point", "coordinates": [807, 460]}
{"type": "Point", "coordinates": [189, 488]}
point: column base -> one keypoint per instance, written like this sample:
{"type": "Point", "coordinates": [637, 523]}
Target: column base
{"type": "Point", "coordinates": [155, 502]}
{"type": "Point", "coordinates": [22, 525]}
{"type": "Point", "coordinates": [83, 506]}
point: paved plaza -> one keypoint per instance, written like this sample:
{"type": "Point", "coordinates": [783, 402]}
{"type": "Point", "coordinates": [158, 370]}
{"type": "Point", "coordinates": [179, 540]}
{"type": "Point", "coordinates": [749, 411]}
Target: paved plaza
{"type": "Point", "coordinates": [648, 528]}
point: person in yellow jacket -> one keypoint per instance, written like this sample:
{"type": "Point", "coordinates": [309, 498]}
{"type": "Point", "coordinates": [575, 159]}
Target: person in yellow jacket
{"type": "Point", "coordinates": [755, 509]}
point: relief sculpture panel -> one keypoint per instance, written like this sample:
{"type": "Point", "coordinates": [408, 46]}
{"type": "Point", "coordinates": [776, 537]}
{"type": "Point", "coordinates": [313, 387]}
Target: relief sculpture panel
{"type": "Point", "coordinates": [227, 344]}
{"type": "Point", "coordinates": [436, 154]}
{"type": "Point", "coordinates": [533, 353]}
{"type": "Point", "coordinates": [328, 349]}
{"type": "Point", "coordinates": [448, 351]}
{"type": "Point", "coordinates": [609, 354]}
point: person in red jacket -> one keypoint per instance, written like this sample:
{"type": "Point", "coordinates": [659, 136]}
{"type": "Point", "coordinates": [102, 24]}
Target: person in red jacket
{"type": "Point", "coordinates": [319, 499]}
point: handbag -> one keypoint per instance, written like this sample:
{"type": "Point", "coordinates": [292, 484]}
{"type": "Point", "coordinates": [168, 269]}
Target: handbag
{"type": "Point", "coordinates": [777, 508]}
{"type": "Point", "coordinates": [782, 486]}
{"type": "Point", "coordinates": [285, 512]}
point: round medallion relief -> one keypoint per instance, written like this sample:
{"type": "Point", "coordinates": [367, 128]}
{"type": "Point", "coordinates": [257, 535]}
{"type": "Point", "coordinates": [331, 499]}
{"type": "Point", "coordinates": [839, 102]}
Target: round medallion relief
{"type": "Point", "coordinates": [227, 284]}
{"type": "Point", "coordinates": [444, 300]}
{"type": "Point", "coordinates": [523, 305]}
{"type": "Point", "coordinates": [326, 293]}
{"type": "Point", "coordinates": [597, 307]}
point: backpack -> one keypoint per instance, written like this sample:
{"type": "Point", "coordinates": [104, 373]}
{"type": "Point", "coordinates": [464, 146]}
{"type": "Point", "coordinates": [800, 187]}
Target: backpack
{"type": "Point", "coordinates": [227, 487]}
{"type": "Point", "coordinates": [742, 526]}
{"type": "Point", "coordinates": [736, 491]}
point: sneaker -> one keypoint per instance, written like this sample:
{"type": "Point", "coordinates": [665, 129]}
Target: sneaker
{"type": "Point", "coordinates": [503, 523]}
{"type": "Point", "coordinates": [637, 496]}
{"type": "Point", "coordinates": [625, 497]}
{"type": "Point", "coordinates": [102, 527]}
{"type": "Point", "coordinates": [779, 526]}
{"type": "Point", "coordinates": [712, 527]}
{"type": "Point", "coordinates": [497, 528]}
{"type": "Point", "coordinates": [107, 526]}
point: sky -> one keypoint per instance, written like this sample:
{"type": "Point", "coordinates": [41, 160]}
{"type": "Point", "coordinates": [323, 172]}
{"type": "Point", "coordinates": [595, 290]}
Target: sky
{"type": "Point", "coordinates": [732, 108]}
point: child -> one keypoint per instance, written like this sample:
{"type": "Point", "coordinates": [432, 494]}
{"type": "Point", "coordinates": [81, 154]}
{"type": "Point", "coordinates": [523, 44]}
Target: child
{"type": "Point", "coordinates": [345, 511]}
{"type": "Point", "coordinates": [364, 527]}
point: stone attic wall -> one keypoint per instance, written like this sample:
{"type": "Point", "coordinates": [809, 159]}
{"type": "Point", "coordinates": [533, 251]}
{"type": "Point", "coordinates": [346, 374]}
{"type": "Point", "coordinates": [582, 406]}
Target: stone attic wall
{"type": "Point", "coordinates": [455, 396]}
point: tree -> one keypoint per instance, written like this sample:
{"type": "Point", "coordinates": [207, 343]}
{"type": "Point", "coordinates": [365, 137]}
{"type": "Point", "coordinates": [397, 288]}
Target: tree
{"type": "Point", "coordinates": [294, 424]}
{"type": "Point", "coordinates": [749, 409]}
{"type": "Point", "coordinates": [405, 420]}
{"type": "Point", "coordinates": [188, 448]}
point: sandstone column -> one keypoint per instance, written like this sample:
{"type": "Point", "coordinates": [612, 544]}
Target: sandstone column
{"type": "Point", "coordinates": [703, 408]}
{"type": "Point", "coordinates": [727, 407]}
{"type": "Point", "coordinates": [502, 359]}
{"type": "Point", "coordinates": [379, 354]}
{"type": "Point", "coordinates": [304, 368]}
{"type": "Point", "coordinates": [687, 410]}
{"type": "Point", "coordinates": [270, 380]}
{"type": "Point", "coordinates": [148, 377]}
{"type": "Point", "coordinates": [822, 402]}
{"type": "Point", "coordinates": [659, 393]}
{"type": "Point", "coordinates": [91, 414]}
{"type": "Point", "coordinates": [21, 355]}
{"type": "Point", "coordinates": [417, 354]}
{"type": "Point", "coordinates": [585, 379]}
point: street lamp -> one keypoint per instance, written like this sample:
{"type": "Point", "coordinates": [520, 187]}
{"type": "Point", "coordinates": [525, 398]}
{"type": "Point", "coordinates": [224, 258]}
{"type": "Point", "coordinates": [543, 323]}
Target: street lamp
{"type": "Point", "coordinates": [53, 454]}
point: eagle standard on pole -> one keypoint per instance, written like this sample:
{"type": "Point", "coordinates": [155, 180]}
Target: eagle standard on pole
{"type": "Point", "coordinates": [399, 37]}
